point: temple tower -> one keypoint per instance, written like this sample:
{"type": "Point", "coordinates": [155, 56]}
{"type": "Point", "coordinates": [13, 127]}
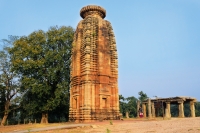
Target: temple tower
{"type": "Point", "coordinates": [94, 68]}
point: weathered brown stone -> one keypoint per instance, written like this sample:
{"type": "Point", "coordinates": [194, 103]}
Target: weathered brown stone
{"type": "Point", "coordinates": [94, 68]}
{"type": "Point", "coordinates": [144, 110]}
{"type": "Point", "coordinates": [171, 100]}
{"type": "Point", "coordinates": [181, 109]}
{"type": "Point", "coordinates": [167, 110]}
{"type": "Point", "coordinates": [127, 114]}
{"type": "Point", "coordinates": [153, 109]}
{"type": "Point", "coordinates": [138, 106]}
{"type": "Point", "coordinates": [192, 108]}
{"type": "Point", "coordinates": [149, 108]}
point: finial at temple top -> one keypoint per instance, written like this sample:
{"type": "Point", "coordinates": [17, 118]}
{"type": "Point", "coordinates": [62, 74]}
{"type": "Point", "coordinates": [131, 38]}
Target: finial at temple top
{"type": "Point", "coordinates": [92, 9]}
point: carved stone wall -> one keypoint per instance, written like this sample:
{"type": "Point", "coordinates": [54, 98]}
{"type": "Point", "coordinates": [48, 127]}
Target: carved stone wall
{"type": "Point", "coordinates": [94, 69]}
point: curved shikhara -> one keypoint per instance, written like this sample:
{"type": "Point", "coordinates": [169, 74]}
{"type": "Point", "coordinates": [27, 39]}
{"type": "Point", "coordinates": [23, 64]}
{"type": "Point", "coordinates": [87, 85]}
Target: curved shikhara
{"type": "Point", "coordinates": [94, 71]}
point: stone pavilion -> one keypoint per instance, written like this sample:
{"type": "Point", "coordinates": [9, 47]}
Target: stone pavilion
{"type": "Point", "coordinates": [164, 104]}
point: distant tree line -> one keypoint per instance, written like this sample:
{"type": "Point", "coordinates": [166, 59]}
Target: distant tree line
{"type": "Point", "coordinates": [35, 79]}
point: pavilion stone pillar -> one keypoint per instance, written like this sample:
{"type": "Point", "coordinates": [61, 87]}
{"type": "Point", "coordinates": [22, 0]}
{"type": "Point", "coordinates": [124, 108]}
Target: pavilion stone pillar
{"type": "Point", "coordinates": [192, 108]}
{"type": "Point", "coordinates": [153, 109]}
{"type": "Point", "coordinates": [144, 110]}
{"type": "Point", "coordinates": [167, 110]}
{"type": "Point", "coordinates": [181, 109]}
{"type": "Point", "coordinates": [127, 114]}
{"type": "Point", "coordinates": [149, 108]}
{"type": "Point", "coordinates": [138, 106]}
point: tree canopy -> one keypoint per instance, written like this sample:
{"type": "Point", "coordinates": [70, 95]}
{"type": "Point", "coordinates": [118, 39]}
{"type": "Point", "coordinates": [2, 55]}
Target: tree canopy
{"type": "Point", "coordinates": [142, 96]}
{"type": "Point", "coordinates": [9, 84]}
{"type": "Point", "coordinates": [129, 105]}
{"type": "Point", "coordinates": [42, 59]}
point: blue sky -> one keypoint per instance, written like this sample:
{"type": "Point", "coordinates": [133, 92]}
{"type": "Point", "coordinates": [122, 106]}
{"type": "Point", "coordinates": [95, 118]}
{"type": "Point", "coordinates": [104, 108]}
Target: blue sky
{"type": "Point", "coordinates": [158, 41]}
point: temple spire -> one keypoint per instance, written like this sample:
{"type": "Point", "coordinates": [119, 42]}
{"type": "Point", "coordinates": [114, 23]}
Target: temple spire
{"type": "Point", "coordinates": [94, 68]}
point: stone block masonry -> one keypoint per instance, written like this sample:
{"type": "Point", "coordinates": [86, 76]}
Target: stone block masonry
{"type": "Point", "coordinates": [94, 68]}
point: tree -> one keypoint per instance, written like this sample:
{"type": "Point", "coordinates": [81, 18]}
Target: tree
{"type": "Point", "coordinates": [2, 100]}
{"type": "Point", "coordinates": [43, 61]}
{"type": "Point", "coordinates": [187, 111]}
{"type": "Point", "coordinates": [121, 98]}
{"type": "Point", "coordinates": [129, 105]}
{"type": "Point", "coordinates": [122, 105]}
{"type": "Point", "coordinates": [174, 110]}
{"type": "Point", "coordinates": [9, 83]}
{"type": "Point", "coordinates": [197, 109]}
{"type": "Point", "coordinates": [142, 96]}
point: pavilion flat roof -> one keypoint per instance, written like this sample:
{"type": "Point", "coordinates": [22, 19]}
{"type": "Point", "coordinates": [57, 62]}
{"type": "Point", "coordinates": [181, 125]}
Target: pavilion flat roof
{"type": "Point", "coordinates": [173, 99]}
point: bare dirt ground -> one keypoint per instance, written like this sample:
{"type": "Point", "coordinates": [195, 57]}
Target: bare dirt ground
{"type": "Point", "coordinates": [174, 125]}
{"type": "Point", "coordinates": [12, 128]}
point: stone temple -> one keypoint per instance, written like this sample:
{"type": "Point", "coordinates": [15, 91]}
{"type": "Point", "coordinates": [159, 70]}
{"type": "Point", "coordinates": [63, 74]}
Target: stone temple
{"type": "Point", "coordinates": [94, 68]}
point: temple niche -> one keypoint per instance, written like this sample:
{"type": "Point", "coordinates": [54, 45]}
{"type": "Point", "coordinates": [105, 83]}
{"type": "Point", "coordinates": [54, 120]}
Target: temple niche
{"type": "Point", "coordinates": [94, 68]}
